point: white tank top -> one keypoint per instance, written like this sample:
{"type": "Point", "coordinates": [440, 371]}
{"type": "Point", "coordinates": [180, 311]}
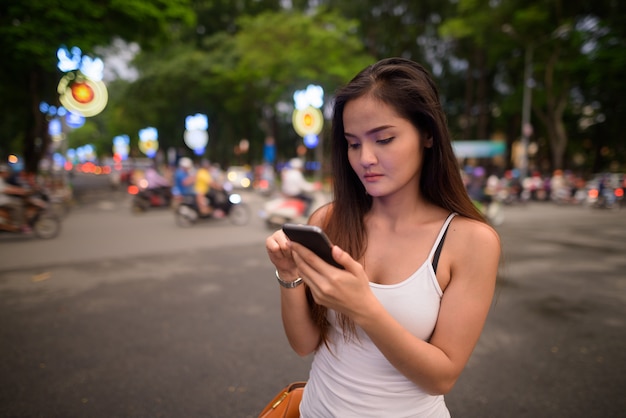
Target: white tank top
{"type": "Point", "coordinates": [354, 379]}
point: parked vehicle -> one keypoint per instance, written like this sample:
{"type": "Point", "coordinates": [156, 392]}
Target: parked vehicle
{"type": "Point", "coordinates": [605, 191]}
{"type": "Point", "coordinates": [224, 203]}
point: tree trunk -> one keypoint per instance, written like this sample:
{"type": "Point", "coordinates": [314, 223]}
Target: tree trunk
{"type": "Point", "coordinates": [37, 139]}
{"type": "Point", "coordinates": [482, 126]}
{"type": "Point", "coordinates": [559, 143]}
{"type": "Point", "coordinates": [552, 116]}
{"type": "Point", "coordinates": [469, 102]}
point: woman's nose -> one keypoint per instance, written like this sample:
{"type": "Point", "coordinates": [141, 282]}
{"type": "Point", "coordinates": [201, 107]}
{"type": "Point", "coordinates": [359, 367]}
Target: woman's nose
{"type": "Point", "coordinates": [368, 156]}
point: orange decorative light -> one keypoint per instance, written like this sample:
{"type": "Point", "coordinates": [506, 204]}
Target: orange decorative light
{"type": "Point", "coordinates": [82, 93]}
{"type": "Point", "coordinates": [308, 121]}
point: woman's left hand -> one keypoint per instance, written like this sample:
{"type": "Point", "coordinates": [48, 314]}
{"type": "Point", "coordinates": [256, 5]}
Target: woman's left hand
{"type": "Point", "coordinates": [341, 290]}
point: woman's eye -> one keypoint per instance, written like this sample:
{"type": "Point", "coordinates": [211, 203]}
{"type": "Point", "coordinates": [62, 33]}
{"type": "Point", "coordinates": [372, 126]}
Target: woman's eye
{"type": "Point", "coordinates": [354, 145]}
{"type": "Point", "coordinates": [385, 141]}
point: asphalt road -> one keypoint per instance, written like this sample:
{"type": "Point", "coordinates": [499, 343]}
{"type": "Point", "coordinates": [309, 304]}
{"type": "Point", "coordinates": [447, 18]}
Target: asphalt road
{"type": "Point", "coordinates": [132, 316]}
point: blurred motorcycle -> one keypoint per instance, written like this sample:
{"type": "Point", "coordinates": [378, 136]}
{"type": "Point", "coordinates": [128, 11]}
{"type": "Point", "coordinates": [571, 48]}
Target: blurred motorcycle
{"type": "Point", "coordinates": [144, 198]}
{"type": "Point", "coordinates": [283, 209]}
{"type": "Point", "coordinates": [225, 204]}
{"type": "Point", "coordinates": [40, 218]}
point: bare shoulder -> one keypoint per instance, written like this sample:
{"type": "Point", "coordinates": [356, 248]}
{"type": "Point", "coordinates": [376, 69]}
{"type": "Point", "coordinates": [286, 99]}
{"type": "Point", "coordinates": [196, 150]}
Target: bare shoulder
{"type": "Point", "coordinates": [473, 254]}
{"type": "Point", "coordinates": [469, 235]}
{"type": "Point", "coordinates": [319, 217]}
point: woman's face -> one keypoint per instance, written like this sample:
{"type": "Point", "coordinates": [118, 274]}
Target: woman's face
{"type": "Point", "coordinates": [384, 149]}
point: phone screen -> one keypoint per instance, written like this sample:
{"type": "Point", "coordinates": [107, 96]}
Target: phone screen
{"type": "Point", "coordinates": [313, 238]}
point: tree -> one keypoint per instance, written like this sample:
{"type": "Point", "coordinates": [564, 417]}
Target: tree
{"type": "Point", "coordinates": [238, 79]}
{"type": "Point", "coordinates": [32, 31]}
{"type": "Point", "coordinates": [475, 27]}
{"type": "Point", "coordinates": [546, 54]}
{"type": "Point", "coordinates": [598, 100]}
{"type": "Point", "coordinates": [280, 53]}
{"type": "Point", "coordinates": [392, 27]}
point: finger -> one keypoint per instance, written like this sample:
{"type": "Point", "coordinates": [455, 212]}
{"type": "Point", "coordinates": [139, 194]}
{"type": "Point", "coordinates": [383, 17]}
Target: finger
{"type": "Point", "coordinates": [276, 251]}
{"type": "Point", "coordinates": [276, 241]}
{"type": "Point", "coordinates": [309, 261]}
{"type": "Point", "coordinates": [304, 268]}
{"type": "Point", "coordinates": [272, 245]}
{"type": "Point", "coordinates": [346, 260]}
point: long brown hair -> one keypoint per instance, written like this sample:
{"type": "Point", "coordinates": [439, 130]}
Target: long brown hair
{"type": "Point", "coordinates": [411, 91]}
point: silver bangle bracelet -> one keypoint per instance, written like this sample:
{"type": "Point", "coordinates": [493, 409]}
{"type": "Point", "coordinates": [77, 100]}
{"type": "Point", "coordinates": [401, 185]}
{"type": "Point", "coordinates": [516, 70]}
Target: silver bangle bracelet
{"type": "Point", "coordinates": [289, 285]}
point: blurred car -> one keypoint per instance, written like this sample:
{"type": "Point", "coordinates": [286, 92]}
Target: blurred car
{"type": "Point", "coordinates": [605, 190]}
{"type": "Point", "coordinates": [239, 177]}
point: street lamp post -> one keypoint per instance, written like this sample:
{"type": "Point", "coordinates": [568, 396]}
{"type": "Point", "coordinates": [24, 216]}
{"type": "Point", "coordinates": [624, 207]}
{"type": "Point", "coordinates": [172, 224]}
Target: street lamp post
{"type": "Point", "coordinates": [526, 129]}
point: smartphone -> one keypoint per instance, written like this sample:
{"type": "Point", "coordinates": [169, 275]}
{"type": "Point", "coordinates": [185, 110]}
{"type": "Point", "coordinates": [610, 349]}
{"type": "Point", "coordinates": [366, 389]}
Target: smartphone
{"type": "Point", "coordinates": [313, 238]}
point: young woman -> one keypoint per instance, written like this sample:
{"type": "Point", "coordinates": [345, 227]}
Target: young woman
{"type": "Point", "coordinates": [392, 331]}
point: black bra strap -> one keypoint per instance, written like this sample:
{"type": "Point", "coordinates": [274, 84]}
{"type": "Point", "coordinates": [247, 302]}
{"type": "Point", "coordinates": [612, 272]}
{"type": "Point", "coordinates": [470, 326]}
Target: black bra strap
{"type": "Point", "coordinates": [438, 250]}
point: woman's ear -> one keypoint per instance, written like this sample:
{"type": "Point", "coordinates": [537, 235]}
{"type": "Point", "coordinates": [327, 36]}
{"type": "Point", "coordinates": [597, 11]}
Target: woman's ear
{"type": "Point", "coordinates": [429, 141]}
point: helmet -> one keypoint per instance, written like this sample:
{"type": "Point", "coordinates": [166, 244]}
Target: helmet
{"type": "Point", "coordinates": [296, 163]}
{"type": "Point", "coordinates": [185, 162]}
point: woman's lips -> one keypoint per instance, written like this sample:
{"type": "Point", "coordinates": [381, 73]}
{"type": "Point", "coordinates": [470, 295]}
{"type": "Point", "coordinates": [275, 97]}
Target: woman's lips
{"type": "Point", "coordinates": [371, 177]}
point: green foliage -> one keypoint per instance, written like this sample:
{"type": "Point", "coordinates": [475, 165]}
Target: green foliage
{"type": "Point", "coordinates": [237, 60]}
{"type": "Point", "coordinates": [394, 27]}
{"type": "Point", "coordinates": [237, 78]}
{"type": "Point", "coordinates": [283, 52]}
{"type": "Point", "coordinates": [505, 31]}
{"type": "Point", "coordinates": [32, 31]}
{"type": "Point", "coordinates": [89, 133]}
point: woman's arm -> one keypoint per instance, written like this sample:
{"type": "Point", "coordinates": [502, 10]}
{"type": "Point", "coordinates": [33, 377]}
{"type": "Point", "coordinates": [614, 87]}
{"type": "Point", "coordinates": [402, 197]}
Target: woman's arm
{"type": "Point", "coordinates": [15, 190]}
{"type": "Point", "coordinates": [301, 331]}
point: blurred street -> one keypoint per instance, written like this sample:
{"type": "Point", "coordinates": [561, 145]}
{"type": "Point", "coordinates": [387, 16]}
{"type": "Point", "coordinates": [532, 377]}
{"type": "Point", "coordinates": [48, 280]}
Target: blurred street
{"type": "Point", "coordinates": [127, 315]}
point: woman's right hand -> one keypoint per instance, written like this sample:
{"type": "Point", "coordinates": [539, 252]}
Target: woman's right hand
{"type": "Point", "coordinates": [279, 251]}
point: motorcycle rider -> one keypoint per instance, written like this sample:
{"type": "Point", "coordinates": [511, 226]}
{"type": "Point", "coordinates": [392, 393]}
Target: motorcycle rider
{"type": "Point", "coordinates": [158, 186]}
{"type": "Point", "coordinates": [295, 185]}
{"type": "Point", "coordinates": [205, 189]}
{"type": "Point", "coordinates": [155, 179]}
{"type": "Point", "coordinates": [12, 198]}
{"type": "Point", "coordinates": [184, 179]}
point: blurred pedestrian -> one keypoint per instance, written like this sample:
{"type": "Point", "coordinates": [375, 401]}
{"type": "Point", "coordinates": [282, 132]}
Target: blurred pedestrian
{"type": "Point", "coordinates": [392, 332]}
{"type": "Point", "coordinates": [558, 187]}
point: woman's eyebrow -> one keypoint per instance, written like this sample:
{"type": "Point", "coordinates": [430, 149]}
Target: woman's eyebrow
{"type": "Point", "coordinates": [370, 132]}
